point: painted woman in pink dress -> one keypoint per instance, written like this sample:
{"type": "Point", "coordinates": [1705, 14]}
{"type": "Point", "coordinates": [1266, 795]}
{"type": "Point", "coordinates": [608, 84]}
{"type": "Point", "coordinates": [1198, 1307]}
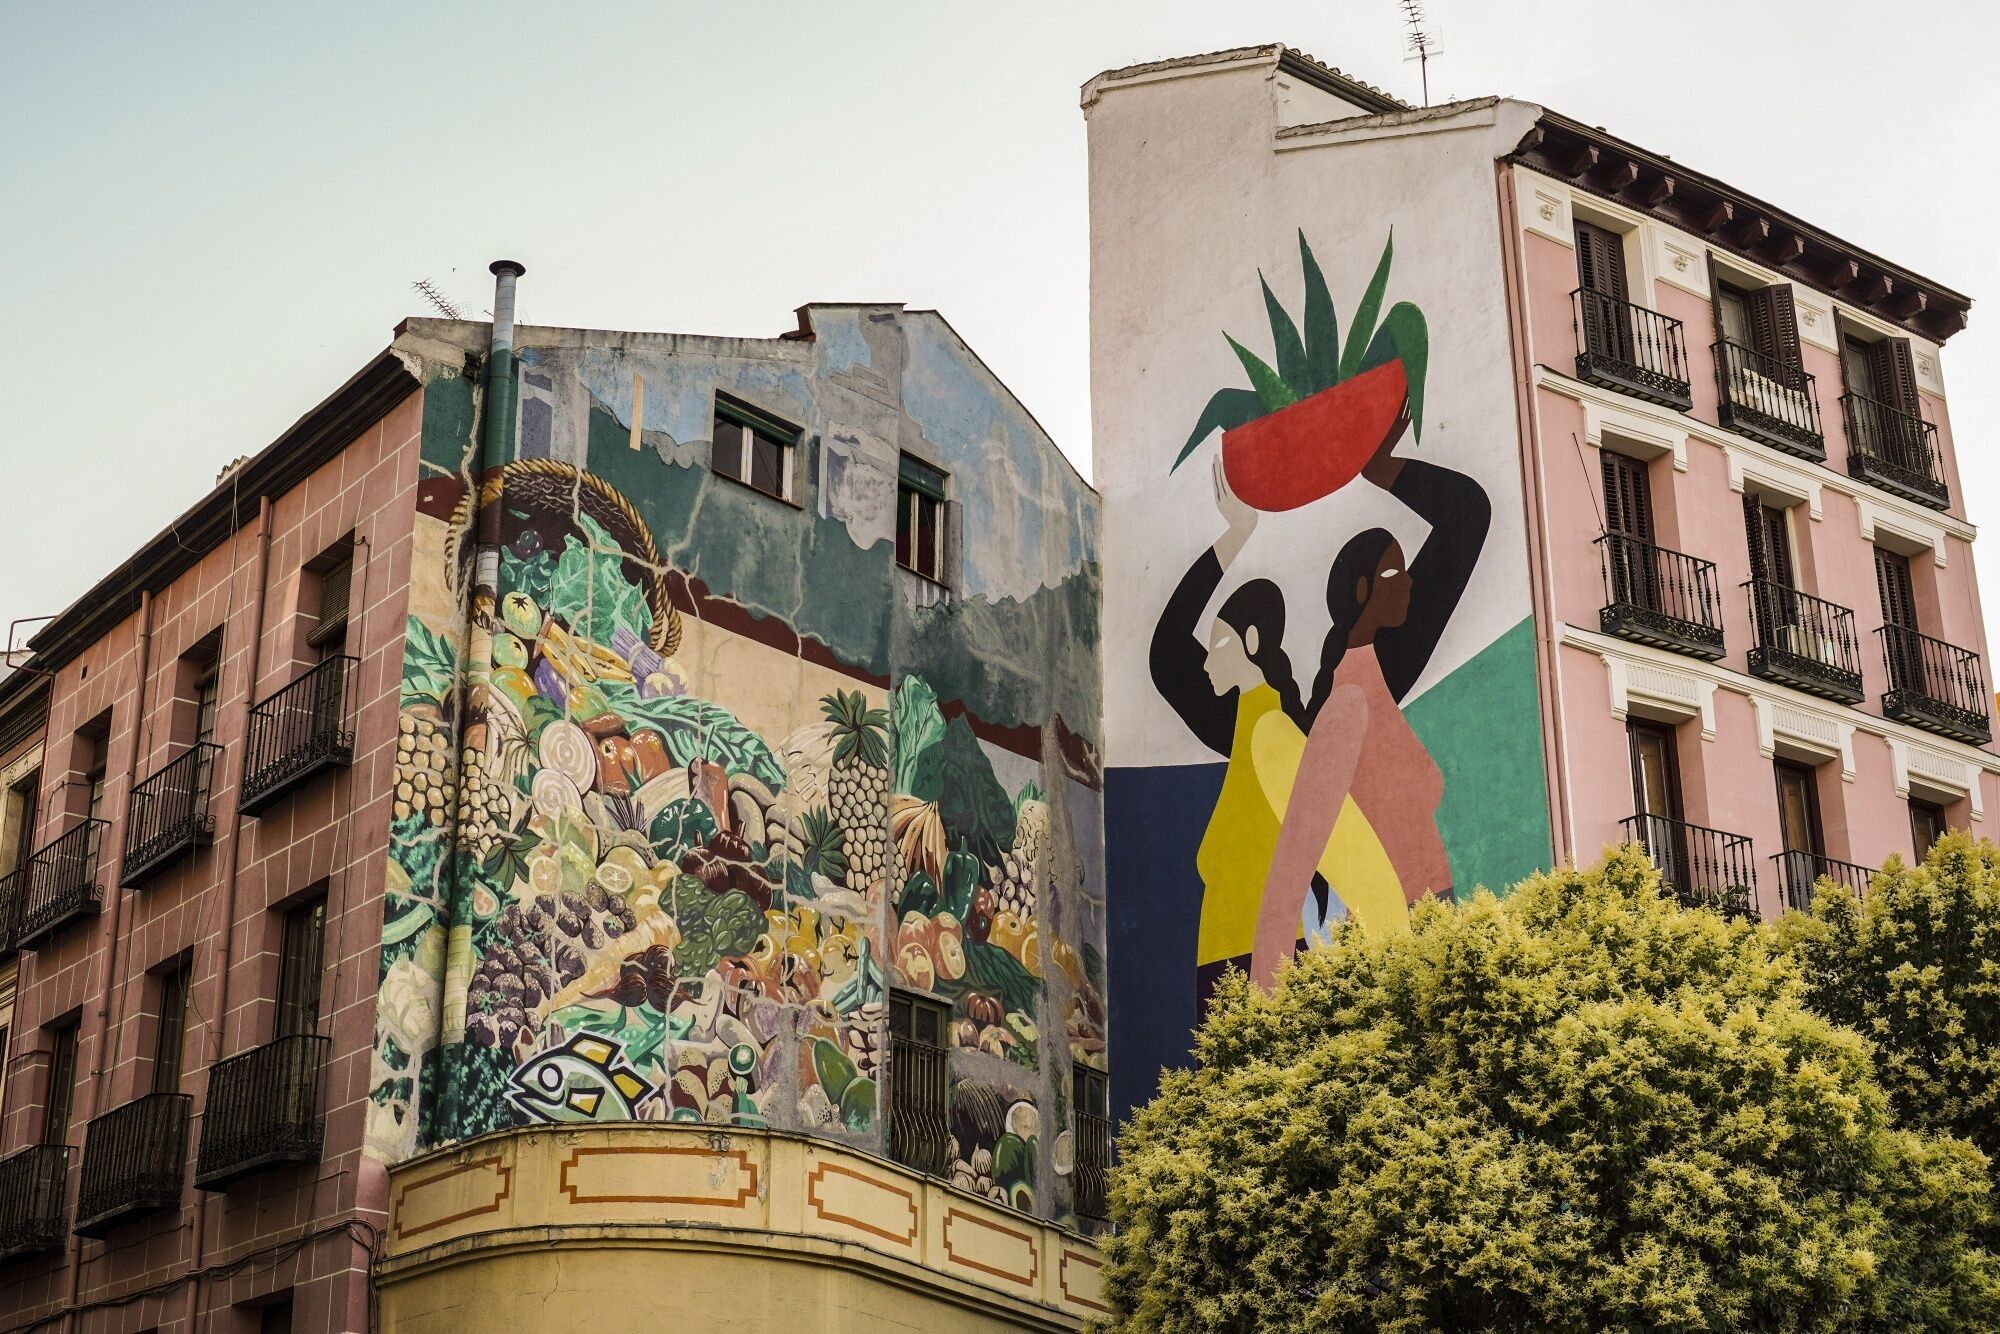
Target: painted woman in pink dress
{"type": "Point", "coordinates": [1388, 615]}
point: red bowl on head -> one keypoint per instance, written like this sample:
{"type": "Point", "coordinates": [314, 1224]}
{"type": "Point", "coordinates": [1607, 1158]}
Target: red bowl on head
{"type": "Point", "coordinates": [1317, 445]}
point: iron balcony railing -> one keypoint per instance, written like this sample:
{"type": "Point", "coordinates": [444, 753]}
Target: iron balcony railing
{"type": "Point", "coordinates": [919, 1126]}
{"type": "Point", "coordinates": [1702, 867]}
{"type": "Point", "coordinates": [1090, 1181]}
{"type": "Point", "coordinates": [1659, 597]}
{"type": "Point", "coordinates": [1889, 448]}
{"type": "Point", "coordinates": [1629, 348]}
{"type": "Point", "coordinates": [133, 1159]}
{"type": "Point", "coordinates": [298, 733]}
{"type": "Point", "coordinates": [1768, 400]}
{"type": "Point", "coordinates": [62, 884]}
{"type": "Point", "coordinates": [1804, 642]}
{"type": "Point", "coordinates": [169, 814]}
{"type": "Point", "coordinates": [12, 886]}
{"type": "Point", "coordinates": [263, 1109]}
{"type": "Point", "coordinates": [1937, 686]}
{"type": "Point", "coordinates": [32, 1187]}
{"type": "Point", "coordinates": [1799, 874]}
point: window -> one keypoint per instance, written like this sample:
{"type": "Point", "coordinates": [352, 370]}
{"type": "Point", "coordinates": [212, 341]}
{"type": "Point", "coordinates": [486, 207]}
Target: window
{"type": "Point", "coordinates": [1656, 780]}
{"type": "Point", "coordinates": [1927, 826]}
{"type": "Point", "coordinates": [1090, 1096]}
{"type": "Point", "coordinates": [1628, 496]}
{"type": "Point", "coordinates": [276, 1318]}
{"type": "Point", "coordinates": [1764, 320]}
{"type": "Point", "coordinates": [920, 519]}
{"type": "Point", "coordinates": [1881, 369]}
{"type": "Point", "coordinates": [1897, 589]}
{"type": "Point", "coordinates": [300, 947]}
{"type": "Point", "coordinates": [918, 1124]}
{"type": "Point", "coordinates": [24, 806]}
{"type": "Point", "coordinates": [1600, 260]}
{"type": "Point", "coordinates": [1770, 541]}
{"type": "Point", "coordinates": [1798, 809]}
{"type": "Point", "coordinates": [328, 637]}
{"type": "Point", "coordinates": [204, 705]}
{"type": "Point", "coordinates": [62, 1083]}
{"type": "Point", "coordinates": [170, 1028]}
{"type": "Point", "coordinates": [753, 448]}
{"type": "Point", "coordinates": [94, 750]}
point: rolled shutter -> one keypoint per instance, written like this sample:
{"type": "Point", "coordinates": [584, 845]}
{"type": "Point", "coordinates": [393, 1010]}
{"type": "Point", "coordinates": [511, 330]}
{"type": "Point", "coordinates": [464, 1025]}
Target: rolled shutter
{"type": "Point", "coordinates": [334, 586]}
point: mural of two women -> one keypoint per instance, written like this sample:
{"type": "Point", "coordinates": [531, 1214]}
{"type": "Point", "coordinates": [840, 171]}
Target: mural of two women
{"type": "Point", "coordinates": [1328, 806]}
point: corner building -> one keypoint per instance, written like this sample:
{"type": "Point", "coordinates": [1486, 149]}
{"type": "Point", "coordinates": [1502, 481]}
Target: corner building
{"type": "Point", "coordinates": [600, 818]}
{"type": "Point", "coordinates": [1569, 496]}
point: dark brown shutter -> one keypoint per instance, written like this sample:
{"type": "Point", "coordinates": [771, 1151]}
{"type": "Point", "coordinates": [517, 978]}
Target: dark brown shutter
{"type": "Point", "coordinates": [333, 591]}
{"type": "Point", "coordinates": [1628, 499]}
{"type": "Point", "coordinates": [1600, 260]}
{"type": "Point", "coordinates": [1770, 544]}
{"type": "Point", "coordinates": [1892, 581]}
{"type": "Point", "coordinates": [1782, 315]}
{"type": "Point", "coordinates": [1894, 370]}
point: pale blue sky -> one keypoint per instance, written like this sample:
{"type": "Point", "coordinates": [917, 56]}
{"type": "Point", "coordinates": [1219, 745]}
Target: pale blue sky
{"type": "Point", "coordinates": [210, 214]}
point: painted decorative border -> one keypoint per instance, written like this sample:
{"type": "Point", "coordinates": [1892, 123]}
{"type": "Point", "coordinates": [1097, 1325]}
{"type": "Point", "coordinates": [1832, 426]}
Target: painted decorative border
{"type": "Point", "coordinates": [1062, 1276]}
{"type": "Point", "coordinates": [744, 1193]}
{"type": "Point", "coordinates": [954, 1215]}
{"type": "Point", "coordinates": [818, 1176]}
{"type": "Point", "coordinates": [403, 1193]}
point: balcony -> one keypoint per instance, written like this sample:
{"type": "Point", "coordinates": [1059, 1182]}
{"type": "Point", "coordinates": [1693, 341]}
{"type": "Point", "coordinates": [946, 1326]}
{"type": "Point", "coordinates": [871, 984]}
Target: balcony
{"type": "Point", "coordinates": [133, 1158]}
{"type": "Point", "coordinates": [11, 888]}
{"type": "Point", "coordinates": [1799, 873]}
{"type": "Point", "coordinates": [299, 733]}
{"type": "Point", "coordinates": [168, 817]}
{"type": "Point", "coordinates": [918, 1124]}
{"type": "Point", "coordinates": [1895, 451]}
{"type": "Point", "coordinates": [1768, 400]}
{"type": "Point", "coordinates": [1702, 867]}
{"type": "Point", "coordinates": [1659, 597]}
{"type": "Point", "coordinates": [1629, 348]}
{"type": "Point", "coordinates": [263, 1110]}
{"type": "Point", "coordinates": [1090, 1179]}
{"type": "Point", "coordinates": [32, 1184]}
{"type": "Point", "coordinates": [1934, 685]}
{"type": "Point", "coordinates": [62, 884]}
{"type": "Point", "coordinates": [1804, 642]}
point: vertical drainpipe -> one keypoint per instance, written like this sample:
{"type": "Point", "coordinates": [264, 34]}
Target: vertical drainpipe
{"type": "Point", "coordinates": [498, 399]}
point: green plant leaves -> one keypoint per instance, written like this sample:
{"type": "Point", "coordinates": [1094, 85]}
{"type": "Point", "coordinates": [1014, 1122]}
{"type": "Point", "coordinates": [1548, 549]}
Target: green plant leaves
{"type": "Point", "coordinates": [1322, 326]}
{"type": "Point", "coordinates": [589, 591]}
{"type": "Point", "coordinates": [430, 666]}
{"type": "Point", "coordinates": [1229, 409]}
{"type": "Point", "coordinates": [993, 970]}
{"type": "Point", "coordinates": [1272, 391]}
{"type": "Point", "coordinates": [918, 725]}
{"type": "Point", "coordinates": [1359, 331]}
{"type": "Point", "coordinates": [1285, 344]}
{"type": "Point", "coordinates": [1404, 336]}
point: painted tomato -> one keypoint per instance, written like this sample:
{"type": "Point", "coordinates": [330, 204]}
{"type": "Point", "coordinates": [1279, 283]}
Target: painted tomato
{"type": "Point", "coordinates": [1317, 445]}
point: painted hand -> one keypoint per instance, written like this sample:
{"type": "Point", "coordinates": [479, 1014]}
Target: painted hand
{"type": "Point", "coordinates": [1383, 465]}
{"type": "Point", "coordinates": [1239, 520]}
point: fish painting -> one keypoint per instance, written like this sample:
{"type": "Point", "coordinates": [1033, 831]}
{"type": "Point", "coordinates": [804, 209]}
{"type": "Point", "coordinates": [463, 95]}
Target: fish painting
{"type": "Point", "coordinates": [585, 1079]}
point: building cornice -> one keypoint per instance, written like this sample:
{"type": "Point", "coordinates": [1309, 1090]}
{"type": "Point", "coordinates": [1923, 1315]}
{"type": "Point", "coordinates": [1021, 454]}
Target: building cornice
{"type": "Point", "coordinates": [1586, 158]}
{"type": "Point", "coordinates": [312, 440]}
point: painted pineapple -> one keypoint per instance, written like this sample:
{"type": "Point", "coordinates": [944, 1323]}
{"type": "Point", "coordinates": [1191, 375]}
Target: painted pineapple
{"type": "Point", "coordinates": [1021, 868]}
{"type": "Point", "coordinates": [859, 788]}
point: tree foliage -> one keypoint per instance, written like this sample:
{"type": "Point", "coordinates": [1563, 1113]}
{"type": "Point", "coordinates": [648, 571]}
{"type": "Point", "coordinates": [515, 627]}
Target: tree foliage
{"type": "Point", "coordinates": [1578, 1108]}
{"type": "Point", "coordinates": [1915, 968]}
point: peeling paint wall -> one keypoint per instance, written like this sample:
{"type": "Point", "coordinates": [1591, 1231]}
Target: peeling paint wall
{"type": "Point", "coordinates": [730, 773]}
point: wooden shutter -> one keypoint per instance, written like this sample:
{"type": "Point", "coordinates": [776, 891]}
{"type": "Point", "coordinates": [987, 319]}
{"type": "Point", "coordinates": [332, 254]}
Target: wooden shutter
{"type": "Point", "coordinates": [1892, 581]}
{"type": "Point", "coordinates": [1770, 543]}
{"type": "Point", "coordinates": [1600, 260]}
{"type": "Point", "coordinates": [334, 586]}
{"type": "Point", "coordinates": [1628, 499]}
{"type": "Point", "coordinates": [1894, 371]}
{"type": "Point", "coordinates": [1776, 316]}
{"type": "Point", "coordinates": [300, 954]}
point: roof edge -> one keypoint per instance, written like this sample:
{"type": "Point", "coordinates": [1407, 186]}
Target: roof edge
{"type": "Point", "coordinates": [1286, 59]}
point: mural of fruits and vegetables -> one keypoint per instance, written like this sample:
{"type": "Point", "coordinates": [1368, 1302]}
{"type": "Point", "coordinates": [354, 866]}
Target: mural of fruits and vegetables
{"type": "Point", "coordinates": [651, 912]}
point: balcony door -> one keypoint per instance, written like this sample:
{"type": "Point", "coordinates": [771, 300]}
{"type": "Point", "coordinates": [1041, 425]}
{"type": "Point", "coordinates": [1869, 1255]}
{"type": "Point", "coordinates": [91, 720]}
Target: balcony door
{"type": "Point", "coordinates": [1773, 578]}
{"type": "Point", "coordinates": [1656, 797]}
{"type": "Point", "coordinates": [1600, 272]}
{"type": "Point", "coordinates": [1927, 825]}
{"type": "Point", "coordinates": [1798, 810]}
{"type": "Point", "coordinates": [1628, 521]}
{"type": "Point", "coordinates": [1902, 651]}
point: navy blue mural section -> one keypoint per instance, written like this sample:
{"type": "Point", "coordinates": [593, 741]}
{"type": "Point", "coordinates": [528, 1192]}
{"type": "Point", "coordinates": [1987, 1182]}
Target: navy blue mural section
{"type": "Point", "coordinates": [1155, 922]}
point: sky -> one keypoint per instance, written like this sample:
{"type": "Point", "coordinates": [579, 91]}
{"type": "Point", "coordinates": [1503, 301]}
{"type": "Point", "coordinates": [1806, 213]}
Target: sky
{"type": "Point", "coordinates": [211, 214]}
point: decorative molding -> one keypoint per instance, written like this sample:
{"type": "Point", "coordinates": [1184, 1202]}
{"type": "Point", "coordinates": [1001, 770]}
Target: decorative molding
{"type": "Point", "coordinates": [1082, 1261]}
{"type": "Point", "coordinates": [1795, 486]}
{"type": "Point", "coordinates": [1805, 733]}
{"type": "Point", "coordinates": [1545, 209]}
{"type": "Point", "coordinates": [982, 1253]}
{"type": "Point", "coordinates": [1916, 531]}
{"type": "Point", "coordinates": [1816, 322]}
{"type": "Point", "coordinates": [1656, 691]}
{"type": "Point", "coordinates": [1637, 433]}
{"type": "Point", "coordinates": [830, 1200]}
{"type": "Point", "coordinates": [1930, 375]}
{"type": "Point", "coordinates": [463, 1193]}
{"type": "Point", "coordinates": [1912, 762]}
{"type": "Point", "coordinates": [656, 1165]}
{"type": "Point", "coordinates": [1680, 261]}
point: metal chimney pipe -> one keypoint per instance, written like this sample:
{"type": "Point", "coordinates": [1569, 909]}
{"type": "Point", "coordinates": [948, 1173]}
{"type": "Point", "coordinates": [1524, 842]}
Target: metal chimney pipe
{"type": "Point", "coordinates": [498, 439]}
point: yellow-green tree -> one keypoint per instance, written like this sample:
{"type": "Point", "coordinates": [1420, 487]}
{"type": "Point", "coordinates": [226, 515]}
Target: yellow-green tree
{"type": "Point", "coordinates": [1580, 1107]}
{"type": "Point", "coordinates": [1914, 966]}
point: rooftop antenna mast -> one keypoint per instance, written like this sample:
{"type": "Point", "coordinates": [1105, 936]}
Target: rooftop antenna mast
{"type": "Point", "coordinates": [427, 289]}
{"type": "Point", "coordinates": [1421, 43]}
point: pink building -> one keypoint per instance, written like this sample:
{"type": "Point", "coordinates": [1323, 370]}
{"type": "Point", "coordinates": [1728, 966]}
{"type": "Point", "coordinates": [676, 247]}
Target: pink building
{"type": "Point", "coordinates": [1624, 502]}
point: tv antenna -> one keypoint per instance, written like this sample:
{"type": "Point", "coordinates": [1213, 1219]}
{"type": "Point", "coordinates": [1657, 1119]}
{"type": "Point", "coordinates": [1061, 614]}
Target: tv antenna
{"type": "Point", "coordinates": [1421, 43]}
{"type": "Point", "coordinates": [428, 290]}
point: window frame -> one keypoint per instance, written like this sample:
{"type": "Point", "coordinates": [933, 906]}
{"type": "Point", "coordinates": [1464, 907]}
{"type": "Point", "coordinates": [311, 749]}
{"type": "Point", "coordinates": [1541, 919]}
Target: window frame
{"type": "Point", "coordinates": [752, 422]}
{"type": "Point", "coordinates": [299, 988]}
{"type": "Point", "coordinates": [60, 1079]}
{"type": "Point", "coordinates": [172, 984]}
{"type": "Point", "coordinates": [902, 1033]}
{"type": "Point", "coordinates": [921, 489]}
{"type": "Point", "coordinates": [1935, 812]}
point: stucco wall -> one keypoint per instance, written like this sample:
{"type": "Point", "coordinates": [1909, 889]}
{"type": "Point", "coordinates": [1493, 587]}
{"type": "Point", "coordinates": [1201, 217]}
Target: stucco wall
{"type": "Point", "coordinates": [710, 806]}
{"type": "Point", "coordinates": [1200, 184]}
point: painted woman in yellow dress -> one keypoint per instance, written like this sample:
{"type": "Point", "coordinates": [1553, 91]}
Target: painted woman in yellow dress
{"type": "Point", "coordinates": [1234, 689]}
